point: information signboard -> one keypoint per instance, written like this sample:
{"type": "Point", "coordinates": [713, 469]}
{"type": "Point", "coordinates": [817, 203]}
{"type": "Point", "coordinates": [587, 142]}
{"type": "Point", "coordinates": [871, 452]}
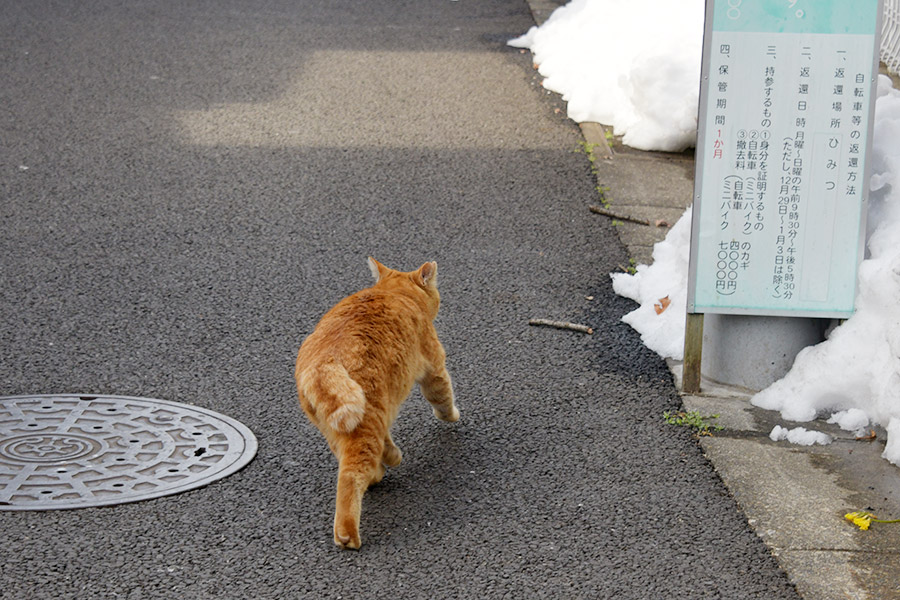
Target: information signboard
{"type": "Point", "coordinates": [786, 111]}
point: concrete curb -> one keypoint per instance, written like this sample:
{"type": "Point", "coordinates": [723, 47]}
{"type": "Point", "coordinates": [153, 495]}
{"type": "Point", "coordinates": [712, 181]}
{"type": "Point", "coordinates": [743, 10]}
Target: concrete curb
{"type": "Point", "coordinates": [794, 497]}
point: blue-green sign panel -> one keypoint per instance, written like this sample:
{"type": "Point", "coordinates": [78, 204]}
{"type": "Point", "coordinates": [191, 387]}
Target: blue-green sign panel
{"type": "Point", "coordinates": [782, 177]}
{"type": "Point", "coordinates": [850, 17]}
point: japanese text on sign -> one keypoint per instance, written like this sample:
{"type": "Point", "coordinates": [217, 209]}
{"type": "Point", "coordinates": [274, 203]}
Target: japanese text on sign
{"type": "Point", "coordinates": [780, 191]}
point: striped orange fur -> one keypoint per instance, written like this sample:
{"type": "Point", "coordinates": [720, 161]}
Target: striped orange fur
{"type": "Point", "coordinates": [358, 366]}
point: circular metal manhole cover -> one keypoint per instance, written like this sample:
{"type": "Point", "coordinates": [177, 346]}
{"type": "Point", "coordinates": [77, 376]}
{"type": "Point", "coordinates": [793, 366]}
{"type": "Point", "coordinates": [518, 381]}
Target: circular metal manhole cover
{"type": "Point", "coordinates": [72, 451]}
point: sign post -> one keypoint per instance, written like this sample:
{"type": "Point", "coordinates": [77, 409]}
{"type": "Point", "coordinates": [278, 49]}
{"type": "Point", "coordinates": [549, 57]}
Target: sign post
{"type": "Point", "coordinates": [786, 112]}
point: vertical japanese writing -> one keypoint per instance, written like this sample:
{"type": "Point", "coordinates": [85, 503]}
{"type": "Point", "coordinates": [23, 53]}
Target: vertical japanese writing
{"type": "Point", "coordinates": [858, 104]}
{"type": "Point", "coordinates": [732, 256]}
{"type": "Point", "coordinates": [721, 102]}
{"type": "Point", "coordinates": [836, 159]}
{"type": "Point", "coordinates": [758, 152]}
{"type": "Point", "coordinates": [789, 186]}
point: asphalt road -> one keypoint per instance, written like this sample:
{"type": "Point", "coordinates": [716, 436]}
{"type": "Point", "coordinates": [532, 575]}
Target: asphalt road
{"type": "Point", "coordinates": [185, 187]}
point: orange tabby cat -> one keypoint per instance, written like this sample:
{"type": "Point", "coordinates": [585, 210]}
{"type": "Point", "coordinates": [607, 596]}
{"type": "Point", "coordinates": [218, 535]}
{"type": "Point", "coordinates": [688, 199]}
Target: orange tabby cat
{"type": "Point", "coordinates": [356, 369]}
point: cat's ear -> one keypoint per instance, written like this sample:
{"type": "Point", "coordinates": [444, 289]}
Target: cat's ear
{"type": "Point", "coordinates": [378, 269]}
{"type": "Point", "coordinates": [427, 274]}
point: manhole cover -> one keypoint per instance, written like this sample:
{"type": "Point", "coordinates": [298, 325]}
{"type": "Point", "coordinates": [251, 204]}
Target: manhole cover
{"type": "Point", "coordinates": [65, 451]}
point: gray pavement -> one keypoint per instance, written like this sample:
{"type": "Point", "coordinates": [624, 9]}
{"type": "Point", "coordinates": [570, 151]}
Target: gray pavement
{"type": "Point", "coordinates": [794, 497]}
{"type": "Point", "coordinates": [186, 187]}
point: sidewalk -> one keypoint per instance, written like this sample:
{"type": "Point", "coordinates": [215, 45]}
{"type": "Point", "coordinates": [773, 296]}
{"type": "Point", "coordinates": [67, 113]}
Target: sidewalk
{"type": "Point", "coordinates": [794, 497]}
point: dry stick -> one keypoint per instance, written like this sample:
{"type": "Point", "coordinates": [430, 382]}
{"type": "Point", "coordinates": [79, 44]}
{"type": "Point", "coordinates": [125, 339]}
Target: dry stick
{"type": "Point", "coordinates": [609, 213]}
{"type": "Point", "coordinates": [561, 325]}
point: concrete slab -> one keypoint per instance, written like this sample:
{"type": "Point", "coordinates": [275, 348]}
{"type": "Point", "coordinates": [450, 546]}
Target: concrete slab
{"type": "Point", "coordinates": [653, 186]}
{"type": "Point", "coordinates": [731, 413]}
{"type": "Point", "coordinates": [640, 234]}
{"type": "Point", "coordinates": [791, 504]}
{"type": "Point", "coordinates": [636, 180]}
{"type": "Point", "coordinates": [841, 582]}
{"type": "Point", "coordinates": [795, 496]}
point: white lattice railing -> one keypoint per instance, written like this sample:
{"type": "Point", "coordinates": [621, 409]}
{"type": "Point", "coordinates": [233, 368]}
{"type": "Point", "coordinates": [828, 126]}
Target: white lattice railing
{"type": "Point", "coordinates": [890, 36]}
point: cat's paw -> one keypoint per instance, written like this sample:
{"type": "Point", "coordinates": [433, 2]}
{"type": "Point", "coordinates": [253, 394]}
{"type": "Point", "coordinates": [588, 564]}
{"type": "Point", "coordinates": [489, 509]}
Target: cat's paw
{"type": "Point", "coordinates": [450, 416]}
{"type": "Point", "coordinates": [347, 538]}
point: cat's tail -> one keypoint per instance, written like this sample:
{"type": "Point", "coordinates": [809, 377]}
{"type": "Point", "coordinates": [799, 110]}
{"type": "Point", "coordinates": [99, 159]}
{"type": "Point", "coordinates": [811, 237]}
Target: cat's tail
{"type": "Point", "coordinates": [334, 395]}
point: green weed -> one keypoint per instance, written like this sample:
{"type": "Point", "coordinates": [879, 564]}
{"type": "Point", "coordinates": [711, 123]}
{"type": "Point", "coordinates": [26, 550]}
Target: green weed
{"type": "Point", "coordinates": [701, 424]}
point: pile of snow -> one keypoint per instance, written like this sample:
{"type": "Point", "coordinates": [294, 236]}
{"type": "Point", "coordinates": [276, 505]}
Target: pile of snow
{"type": "Point", "coordinates": [799, 436]}
{"type": "Point", "coordinates": [632, 64]}
{"type": "Point", "coordinates": [853, 419]}
{"type": "Point", "coordinates": [858, 367]}
{"type": "Point", "coordinates": [662, 332]}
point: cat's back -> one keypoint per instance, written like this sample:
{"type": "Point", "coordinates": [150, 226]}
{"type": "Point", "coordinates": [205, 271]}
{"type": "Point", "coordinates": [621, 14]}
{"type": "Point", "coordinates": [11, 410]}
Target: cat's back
{"type": "Point", "coordinates": [368, 322]}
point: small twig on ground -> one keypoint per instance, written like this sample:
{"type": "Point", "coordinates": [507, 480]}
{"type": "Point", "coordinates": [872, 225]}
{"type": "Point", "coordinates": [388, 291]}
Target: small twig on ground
{"type": "Point", "coordinates": [608, 213]}
{"type": "Point", "coordinates": [562, 325]}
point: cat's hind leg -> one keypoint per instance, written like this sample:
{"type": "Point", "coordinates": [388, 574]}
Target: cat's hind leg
{"type": "Point", "coordinates": [438, 390]}
{"type": "Point", "coordinates": [359, 467]}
